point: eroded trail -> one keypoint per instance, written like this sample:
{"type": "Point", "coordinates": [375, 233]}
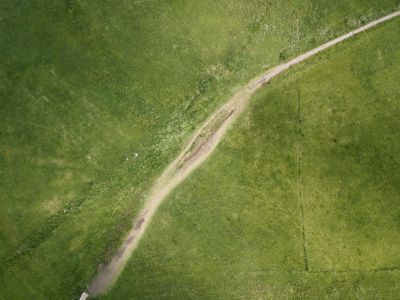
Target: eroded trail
{"type": "Point", "coordinates": [203, 143]}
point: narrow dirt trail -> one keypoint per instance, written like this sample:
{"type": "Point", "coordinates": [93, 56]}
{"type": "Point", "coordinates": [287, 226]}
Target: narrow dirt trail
{"type": "Point", "coordinates": [203, 143]}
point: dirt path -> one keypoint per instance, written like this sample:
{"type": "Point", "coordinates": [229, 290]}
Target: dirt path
{"type": "Point", "coordinates": [203, 143]}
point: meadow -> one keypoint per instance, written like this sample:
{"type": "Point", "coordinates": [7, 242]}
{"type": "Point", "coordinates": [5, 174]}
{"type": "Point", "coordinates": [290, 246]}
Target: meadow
{"type": "Point", "coordinates": [301, 198]}
{"type": "Point", "coordinates": [97, 97]}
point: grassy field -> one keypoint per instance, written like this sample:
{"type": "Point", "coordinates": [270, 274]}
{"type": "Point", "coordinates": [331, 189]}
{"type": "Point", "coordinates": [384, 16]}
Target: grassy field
{"type": "Point", "coordinates": [96, 98]}
{"type": "Point", "coordinates": [300, 200]}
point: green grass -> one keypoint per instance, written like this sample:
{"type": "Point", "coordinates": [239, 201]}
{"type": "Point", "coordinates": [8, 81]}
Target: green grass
{"type": "Point", "coordinates": [86, 85]}
{"type": "Point", "coordinates": [322, 138]}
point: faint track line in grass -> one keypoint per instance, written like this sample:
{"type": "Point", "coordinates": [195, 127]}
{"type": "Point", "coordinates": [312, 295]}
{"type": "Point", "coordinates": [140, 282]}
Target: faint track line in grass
{"type": "Point", "coordinates": [35, 238]}
{"type": "Point", "coordinates": [350, 271]}
{"type": "Point", "coordinates": [300, 179]}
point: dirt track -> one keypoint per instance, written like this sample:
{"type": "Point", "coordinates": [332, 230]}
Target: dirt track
{"type": "Point", "coordinates": [203, 143]}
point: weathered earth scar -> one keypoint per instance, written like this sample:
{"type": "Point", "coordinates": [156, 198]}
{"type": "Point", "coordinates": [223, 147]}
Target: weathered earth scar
{"type": "Point", "coordinates": [203, 143]}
